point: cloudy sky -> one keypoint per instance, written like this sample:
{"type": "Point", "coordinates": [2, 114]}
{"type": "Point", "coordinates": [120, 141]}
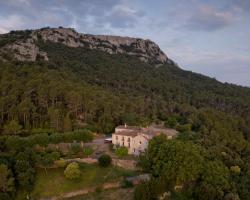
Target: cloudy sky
{"type": "Point", "coordinates": [206, 36]}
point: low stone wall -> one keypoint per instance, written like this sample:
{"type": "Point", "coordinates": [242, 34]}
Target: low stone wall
{"type": "Point", "coordinates": [127, 164]}
{"type": "Point", "coordinates": [139, 179]}
{"type": "Point", "coordinates": [82, 160]}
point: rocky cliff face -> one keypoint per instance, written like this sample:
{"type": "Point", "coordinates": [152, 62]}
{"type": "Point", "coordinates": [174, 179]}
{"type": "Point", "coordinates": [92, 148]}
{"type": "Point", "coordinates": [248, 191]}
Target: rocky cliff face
{"type": "Point", "coordinates": [26, 48]}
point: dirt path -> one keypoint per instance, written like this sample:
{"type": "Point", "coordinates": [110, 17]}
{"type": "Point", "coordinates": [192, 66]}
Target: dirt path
{"type": "Point", "coordinates": [105, 186]}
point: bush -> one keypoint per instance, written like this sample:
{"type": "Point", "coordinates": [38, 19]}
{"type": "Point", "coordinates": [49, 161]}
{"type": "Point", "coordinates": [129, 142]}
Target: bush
{"type": "Point", "coordinates": [144, 192]}
{"type": "Point", "coordinates": [56, 138]}
{"type": "Point", "coordinates": [12, 127]}
{"type": "Point", "coordinates": [104, 160]}
{"type": "Point", "coordinates": [55, 155]}
{"type": "Point", "coordinates": [61, 162]}
{"type": "Point", "coordinates": [98, 189]}
{"type": "Point", "coordinates": [184, 128]}
{"type": "Point", "coordinates": [127, 184]}
{"type": "Point", "coordinates": [43, 139]}
{"type": "Point", "coordinates": [46, 159]}
{"type": "Point", "coordinates": [72, 171]}
{"type": "Point", "coordinates": [75, 148]}
{"type": "Point", "coordinates": [121, 151]}
{"type": "Point", "coordinates": [235, 169]}
{"type": "Point", "coordinates": [150, 189]}
{"type": "Point", "coordinates": [171, 122]}
{"type": "Point", "coordinates": [87, 151]}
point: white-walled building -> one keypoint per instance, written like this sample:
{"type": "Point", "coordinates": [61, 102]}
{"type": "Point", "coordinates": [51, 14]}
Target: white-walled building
{"type": "Point", "coordinates": [136, 139]}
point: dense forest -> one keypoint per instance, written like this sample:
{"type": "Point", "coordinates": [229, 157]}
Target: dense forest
{"type": "Point", "coordinates": [81, 88]}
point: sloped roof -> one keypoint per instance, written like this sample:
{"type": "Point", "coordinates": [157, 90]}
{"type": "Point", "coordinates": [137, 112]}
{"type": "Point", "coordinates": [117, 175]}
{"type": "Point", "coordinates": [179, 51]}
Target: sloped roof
{"type": "Point", "coordinates": [136, 128]}
{"type": "Point", "coordinates": [127, 133]}
{"type": "Point", "coordinates": [153, 130]}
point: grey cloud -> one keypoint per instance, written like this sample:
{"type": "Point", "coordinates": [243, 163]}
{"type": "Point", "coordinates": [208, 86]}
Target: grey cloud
{"type": "Point", "coordinates": [122, 16]}
{"type": "Point", "coordinates": [243, 4]}
{"type": "Point", "coordinates": [36, 13]}
{"type": "Point", "coordinates": [208, 18]}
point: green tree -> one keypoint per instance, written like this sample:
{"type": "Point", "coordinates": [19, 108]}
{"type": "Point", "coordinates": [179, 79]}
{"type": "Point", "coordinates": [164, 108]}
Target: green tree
{"type": "Point", "coordinates": [87, 151]}
{"type": "Point", "coordinates": [48, 158]}
{"type": "Point", "coordinates": [25, 174]}
{"type": "Point", "coordinates": [214, 181]}
{"type": "Point", "coordinates": [72, 171]}
{"type": "Point", "coordinates": [6, 180]}
{"type": "Point", "coordinates": [150, 190]}
{"type": "Point", "coordinates": [67, 123]}
{"type": "Point", "coordinates": [104, 160]}
{"type": "Point", "coordinates": [14, 143]}
{"type": "Point", "coordinates": [12, 127]}
{"type": "Point", "coordinates": [144, 192]}
{"type": "Point", "coordinates": [184, 128]}
{"type": "Point", "coordinates": [171, 122]}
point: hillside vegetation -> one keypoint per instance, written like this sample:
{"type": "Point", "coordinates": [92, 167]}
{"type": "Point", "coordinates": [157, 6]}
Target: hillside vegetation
{"type": "Point", "coordinates": [83, 88]}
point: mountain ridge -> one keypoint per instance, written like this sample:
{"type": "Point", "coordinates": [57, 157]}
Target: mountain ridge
{"type": "Point", "coordinates": [25, 48]}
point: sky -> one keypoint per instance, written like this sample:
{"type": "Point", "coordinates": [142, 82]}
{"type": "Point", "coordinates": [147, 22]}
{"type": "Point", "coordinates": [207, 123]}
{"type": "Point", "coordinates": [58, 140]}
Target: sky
{"type": "Point", "coordinates": [211, 37]}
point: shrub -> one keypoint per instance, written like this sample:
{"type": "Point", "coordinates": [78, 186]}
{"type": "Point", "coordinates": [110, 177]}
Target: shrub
{"type": "Point", "coordinates": [127, 184]}
{"type": "Point", "coordinates": [104, 160]}
{"type": "Point", "coordinates": [144, 192]}
{"type": "Point", "coordinates": [171, 122]}
{"type": "Point", "coordinates": [42, 139]}
{"type": "Point", "coordinates": [183, 128]}
{"type": "Point", "coordinates": [56, 138]}
{"type": "Point", "coordinates": [12, 127]}
{"type": "Point", "coordinates": [46, 159]}
{"type": "Point", "coordinates": [235, 169]}
{"type": "Point", "coordinates": [121, 151]}
{"type": "Point", "coordinates": [72, 171]}
{"type": "Point", "coordinates": [55, 155]}
{"type": "Point", "coordinates": [87, 151]}
{"type": "Point", "coordinates": [61, 162]}
{"type": "Point", "coordinates": [75, 148]}
{"type": "Point", "coordinates": [83, 135]}
{"type": "Point", "coordinates": [68, 137]}
{"type": "Point", "coordinates": [98, 189]}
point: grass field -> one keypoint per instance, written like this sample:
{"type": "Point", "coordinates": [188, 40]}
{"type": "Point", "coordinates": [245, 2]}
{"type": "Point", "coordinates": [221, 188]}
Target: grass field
{"type": "Point", "coordinates": [53, 183]}
{"type": "Point", "coordinates": [113, 194]}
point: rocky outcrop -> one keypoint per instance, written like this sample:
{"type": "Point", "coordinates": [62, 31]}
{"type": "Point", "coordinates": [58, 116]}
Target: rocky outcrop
{"type": "Point", "coordinates": [28, 49]}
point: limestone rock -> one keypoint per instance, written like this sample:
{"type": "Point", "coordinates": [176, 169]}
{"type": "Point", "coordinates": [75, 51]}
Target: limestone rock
{"type": "Point", "coordinates": [28, 50]}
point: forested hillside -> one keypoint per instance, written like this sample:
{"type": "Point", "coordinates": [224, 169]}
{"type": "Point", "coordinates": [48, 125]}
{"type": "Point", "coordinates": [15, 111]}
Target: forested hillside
{"type": "Point", "coordinates": [89, 86]}
{"type": "Point", "coordinates": [79, 87]}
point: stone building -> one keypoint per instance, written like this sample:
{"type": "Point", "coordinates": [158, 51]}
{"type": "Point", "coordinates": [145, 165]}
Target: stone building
{"type": "Point", "coordinates": [136, 138]}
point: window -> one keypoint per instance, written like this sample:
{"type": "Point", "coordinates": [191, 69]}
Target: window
{"type": "Point", "coordinates": [128, 145]}
{"type": "Point", "coordinates": [122, 143]}
{"type": "Point", "coordinates": [128, 139]}
{"type": "Point", "coordinates": [116, 137]}
{"type": "Point", "coordinates": [122, 138]}
{"type": "Point", "coordinates": [140, 142]}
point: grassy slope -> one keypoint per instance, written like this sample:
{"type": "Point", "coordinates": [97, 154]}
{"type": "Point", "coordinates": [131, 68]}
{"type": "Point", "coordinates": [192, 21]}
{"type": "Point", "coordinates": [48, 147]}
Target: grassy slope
{"type": "Point", "coordinates": [114, 194]}
{"type": "Point", "coordinates": [53, 183]}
